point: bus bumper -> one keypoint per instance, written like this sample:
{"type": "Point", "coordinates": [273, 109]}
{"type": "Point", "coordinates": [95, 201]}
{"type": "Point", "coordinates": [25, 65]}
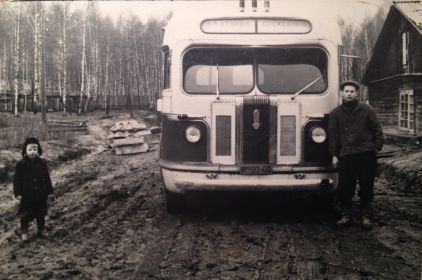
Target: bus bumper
{"type": "Point", "coordinates": [178, 180]}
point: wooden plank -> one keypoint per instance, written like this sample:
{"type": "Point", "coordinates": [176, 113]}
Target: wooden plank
{"type": "Point", "coordinates": [128, 141]}
{"type": "Point", "coordinates": [75, 129]}
{"type": "Point", "coordinates": [119, 135]}
{"type": "Point", "coordinates": [125, 134]}
{"type": "Point", "coordinates": [130, 125]}
{"type": "Point", "coordinates": [155, 129]}
{"type": "Point", "coordinates": [142, 133]}
{"type": "Point", "coordinates": [134, 149]}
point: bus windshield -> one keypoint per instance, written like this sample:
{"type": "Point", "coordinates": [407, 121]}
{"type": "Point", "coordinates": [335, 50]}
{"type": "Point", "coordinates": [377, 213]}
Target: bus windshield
{"type": "Point", "coordinates": [278, 70]}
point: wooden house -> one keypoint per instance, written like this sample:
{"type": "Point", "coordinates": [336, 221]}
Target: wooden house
{"type": "Point", "coordinates": [394, 73]}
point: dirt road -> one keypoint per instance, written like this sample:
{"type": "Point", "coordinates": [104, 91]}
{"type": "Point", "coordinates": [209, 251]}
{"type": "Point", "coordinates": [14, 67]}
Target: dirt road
{"type": "Point", "coordinates": [107, 220]}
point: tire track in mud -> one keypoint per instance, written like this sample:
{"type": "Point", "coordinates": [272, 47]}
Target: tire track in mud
{"type": "Point", "coordinates": [228, 250]}
{"type": "Point", "coordinates": [97, 242]}
{"type": "Point", "coordinates": [111, 220]}
{"type": "Point", "coordinates": [152, 265]}
{"type": "Point", "coordinates": [293, 248]}
{"type": "Point", "coordinates": [191, 248]}
{"type": "Point", "coordinates": [302, 258]}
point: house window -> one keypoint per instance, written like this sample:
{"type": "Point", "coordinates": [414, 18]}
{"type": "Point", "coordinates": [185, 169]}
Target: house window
{"type": "Point", "coordinates": [405, 51]}
{"type": "Point", "coordinates": [407, 111]}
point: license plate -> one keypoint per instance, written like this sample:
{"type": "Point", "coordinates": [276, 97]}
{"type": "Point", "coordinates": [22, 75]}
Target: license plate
{"type": "Point", "coordinates": [255, 169]}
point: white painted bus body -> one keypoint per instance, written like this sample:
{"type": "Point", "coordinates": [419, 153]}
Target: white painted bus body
{"type": "Point", "coordinates": [224, 171]}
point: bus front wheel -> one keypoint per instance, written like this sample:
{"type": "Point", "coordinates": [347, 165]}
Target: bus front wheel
{"type": "Point", "coordinates": [175, 203]}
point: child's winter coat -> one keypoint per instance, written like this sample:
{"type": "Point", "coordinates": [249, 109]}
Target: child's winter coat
{"type": "Point", "coordinates": [32, 182]}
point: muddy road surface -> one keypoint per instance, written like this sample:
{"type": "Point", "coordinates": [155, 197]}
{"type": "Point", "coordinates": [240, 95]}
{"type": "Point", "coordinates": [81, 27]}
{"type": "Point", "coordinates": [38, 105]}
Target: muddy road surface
{"type": "Point", "coordinates": [107, 220]}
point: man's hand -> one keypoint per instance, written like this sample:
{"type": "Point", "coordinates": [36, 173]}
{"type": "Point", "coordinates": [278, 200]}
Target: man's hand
{"type": "Point", "coordinates": [334, 161]}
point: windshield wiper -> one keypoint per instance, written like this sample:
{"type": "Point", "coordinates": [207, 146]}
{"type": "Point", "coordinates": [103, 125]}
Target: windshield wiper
{"type": "Point", "coordinates": [307, 86]}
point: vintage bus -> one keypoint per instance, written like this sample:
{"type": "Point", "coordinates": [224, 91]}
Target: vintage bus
{"type": "Point", "coordinates": [246, 97]}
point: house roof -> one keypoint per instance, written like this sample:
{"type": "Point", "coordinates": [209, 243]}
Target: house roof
{"type": "Point", "coordinates": [411, 11]}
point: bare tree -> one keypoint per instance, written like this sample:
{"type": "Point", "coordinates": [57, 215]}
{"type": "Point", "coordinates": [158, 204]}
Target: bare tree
{"type": "Point", "coordinates": [347, 52]}
{"type": "Point", "coordinates": [106, 86]}
{"type": "Point", "coordinates": [16, 82]}
{"type": "Point", "coordinates": [37, 53]}
{"type": "Point", "coordinates": [82, 90]}
{"type": "Point", "coordinates": [367, 36]}
{"type": "Point", "coordinates": [25, 73]}
{"type": "Point", "coordinates": [4, 75]}
{"type": "Point", "coordinates": [120, 61]}
{"type": "Point", "coordinates": [64, 18]}
{"type": "Point", "coordinates": [43, 70]}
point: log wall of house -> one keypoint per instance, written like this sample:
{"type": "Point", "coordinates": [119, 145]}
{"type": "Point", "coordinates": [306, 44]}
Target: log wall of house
{"type": "Point", "coordinates": [387, 58]}
{"type": "Point", "coordinates": [416, 51]}
{"type": "Point", "coordinates": [386, 76]}
{"type": "Point", "coordinates": [384, 98]}
{"type": "Point", "coordinates": [418, 106]}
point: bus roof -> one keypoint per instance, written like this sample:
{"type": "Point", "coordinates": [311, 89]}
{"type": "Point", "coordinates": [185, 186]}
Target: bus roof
{"type": "Point", "coordinates": [223, 19]}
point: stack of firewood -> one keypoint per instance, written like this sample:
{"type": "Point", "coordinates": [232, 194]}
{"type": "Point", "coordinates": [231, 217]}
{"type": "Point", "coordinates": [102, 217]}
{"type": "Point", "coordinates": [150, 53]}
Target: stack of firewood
{"type": "Point", "coordinates": [128, 137]}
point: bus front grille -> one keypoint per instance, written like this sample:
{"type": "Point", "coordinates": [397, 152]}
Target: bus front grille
{"type": "Point", "coordinates": [256, 129]}
{"type": "Point", "coordinates": [287, 135]}
{"type": "Point", "coordinates": [223, 135]}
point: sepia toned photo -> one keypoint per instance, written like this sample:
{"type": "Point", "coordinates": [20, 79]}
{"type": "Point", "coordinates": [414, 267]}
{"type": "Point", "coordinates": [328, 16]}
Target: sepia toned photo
{"type": "Point", "coordinates": [214, 140]}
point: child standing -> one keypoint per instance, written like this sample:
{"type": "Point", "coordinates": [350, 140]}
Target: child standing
{"type": "Point", "coordinates": [32, 185]}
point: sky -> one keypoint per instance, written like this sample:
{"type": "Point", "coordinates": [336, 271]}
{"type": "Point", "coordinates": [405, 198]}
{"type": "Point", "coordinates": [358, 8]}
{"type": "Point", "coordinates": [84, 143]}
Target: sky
{"type": "Point", "coordinates": [353, 11]}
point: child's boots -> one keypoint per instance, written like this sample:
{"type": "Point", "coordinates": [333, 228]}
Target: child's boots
{"type": "Point", "coordinates": [24, 236]}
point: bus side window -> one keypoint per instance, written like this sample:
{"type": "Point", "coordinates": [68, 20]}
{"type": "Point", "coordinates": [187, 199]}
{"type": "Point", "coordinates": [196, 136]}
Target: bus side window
{"type": "Point", "coordinates": [166, 74]}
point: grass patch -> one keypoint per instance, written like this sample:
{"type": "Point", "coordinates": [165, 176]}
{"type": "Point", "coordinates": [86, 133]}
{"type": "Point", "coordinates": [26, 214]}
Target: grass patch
{"type": "Point", "coordinates": [15, 129]}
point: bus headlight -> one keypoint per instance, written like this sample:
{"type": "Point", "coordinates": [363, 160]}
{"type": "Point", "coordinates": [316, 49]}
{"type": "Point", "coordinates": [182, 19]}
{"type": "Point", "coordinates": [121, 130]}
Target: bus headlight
{"type": "Point", "coordinates": [193, 134]}
{"type": "Point", "coordinates": [318, 134]}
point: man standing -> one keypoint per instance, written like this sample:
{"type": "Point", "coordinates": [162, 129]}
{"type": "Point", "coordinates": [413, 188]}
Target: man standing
{"type": "Point", "coordinates": [355, 136]}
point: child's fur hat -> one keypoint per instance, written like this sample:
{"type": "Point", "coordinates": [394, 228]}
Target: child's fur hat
{"type": "Point", "coordinates": [31, 140]}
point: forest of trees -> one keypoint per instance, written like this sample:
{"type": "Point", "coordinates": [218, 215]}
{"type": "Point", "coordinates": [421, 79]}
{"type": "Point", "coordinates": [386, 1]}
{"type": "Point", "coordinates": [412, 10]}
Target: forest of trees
{"type": "Point", "coordinates": [358, 44]}
{"type": "Point", "coordinates": [55, 49]}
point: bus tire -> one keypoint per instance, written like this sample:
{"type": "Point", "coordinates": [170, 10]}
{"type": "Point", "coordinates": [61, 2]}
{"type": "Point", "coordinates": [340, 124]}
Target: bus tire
{"type": "Point", "coordinates": [175, 203]}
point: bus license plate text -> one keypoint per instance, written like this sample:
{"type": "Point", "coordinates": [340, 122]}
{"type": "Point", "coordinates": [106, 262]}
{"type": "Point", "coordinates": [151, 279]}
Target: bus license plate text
{"type": "Point", "coordinates": [255, 169]}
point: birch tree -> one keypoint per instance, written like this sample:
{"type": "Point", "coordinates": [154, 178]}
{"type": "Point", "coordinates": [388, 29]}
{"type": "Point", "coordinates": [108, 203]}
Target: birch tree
{"type": "Point", "coordinates": [43, 70]}
{"type": "Point", "coordinates": [347, 51]}
{"type": "Point", "coordinates": [37, 54]}
{"type": "Point", "coordinates": [82, 53]}
{"type": "Point", "coordinates": [64, 18]}
{"type": "Point", "coordinates": [82, 89]}
{"type": "Point", "coordinates": [4, 75]}
{"type": "Point", "coordinates": [367, 36]}
{"type": "Point", "coordinates": [6, 34]}
{"type": "Point", "coordinates": [16, 82]}
{"type": "Point", "coordinates": [106, 86]}
{"type": "Point", "coordinates": [25, 74]}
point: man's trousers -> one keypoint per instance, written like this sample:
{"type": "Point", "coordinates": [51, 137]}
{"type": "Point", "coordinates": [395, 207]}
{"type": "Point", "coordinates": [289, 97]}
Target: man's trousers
{"type": "Point", "coordinates": [355, 168]}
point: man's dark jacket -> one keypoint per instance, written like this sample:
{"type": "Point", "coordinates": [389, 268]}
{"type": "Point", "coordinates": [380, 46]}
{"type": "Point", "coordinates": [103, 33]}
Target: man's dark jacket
{"type": "Point", "coordinates": [354, 130]}
{"type": "Point", "coordinates": [32, 180]}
